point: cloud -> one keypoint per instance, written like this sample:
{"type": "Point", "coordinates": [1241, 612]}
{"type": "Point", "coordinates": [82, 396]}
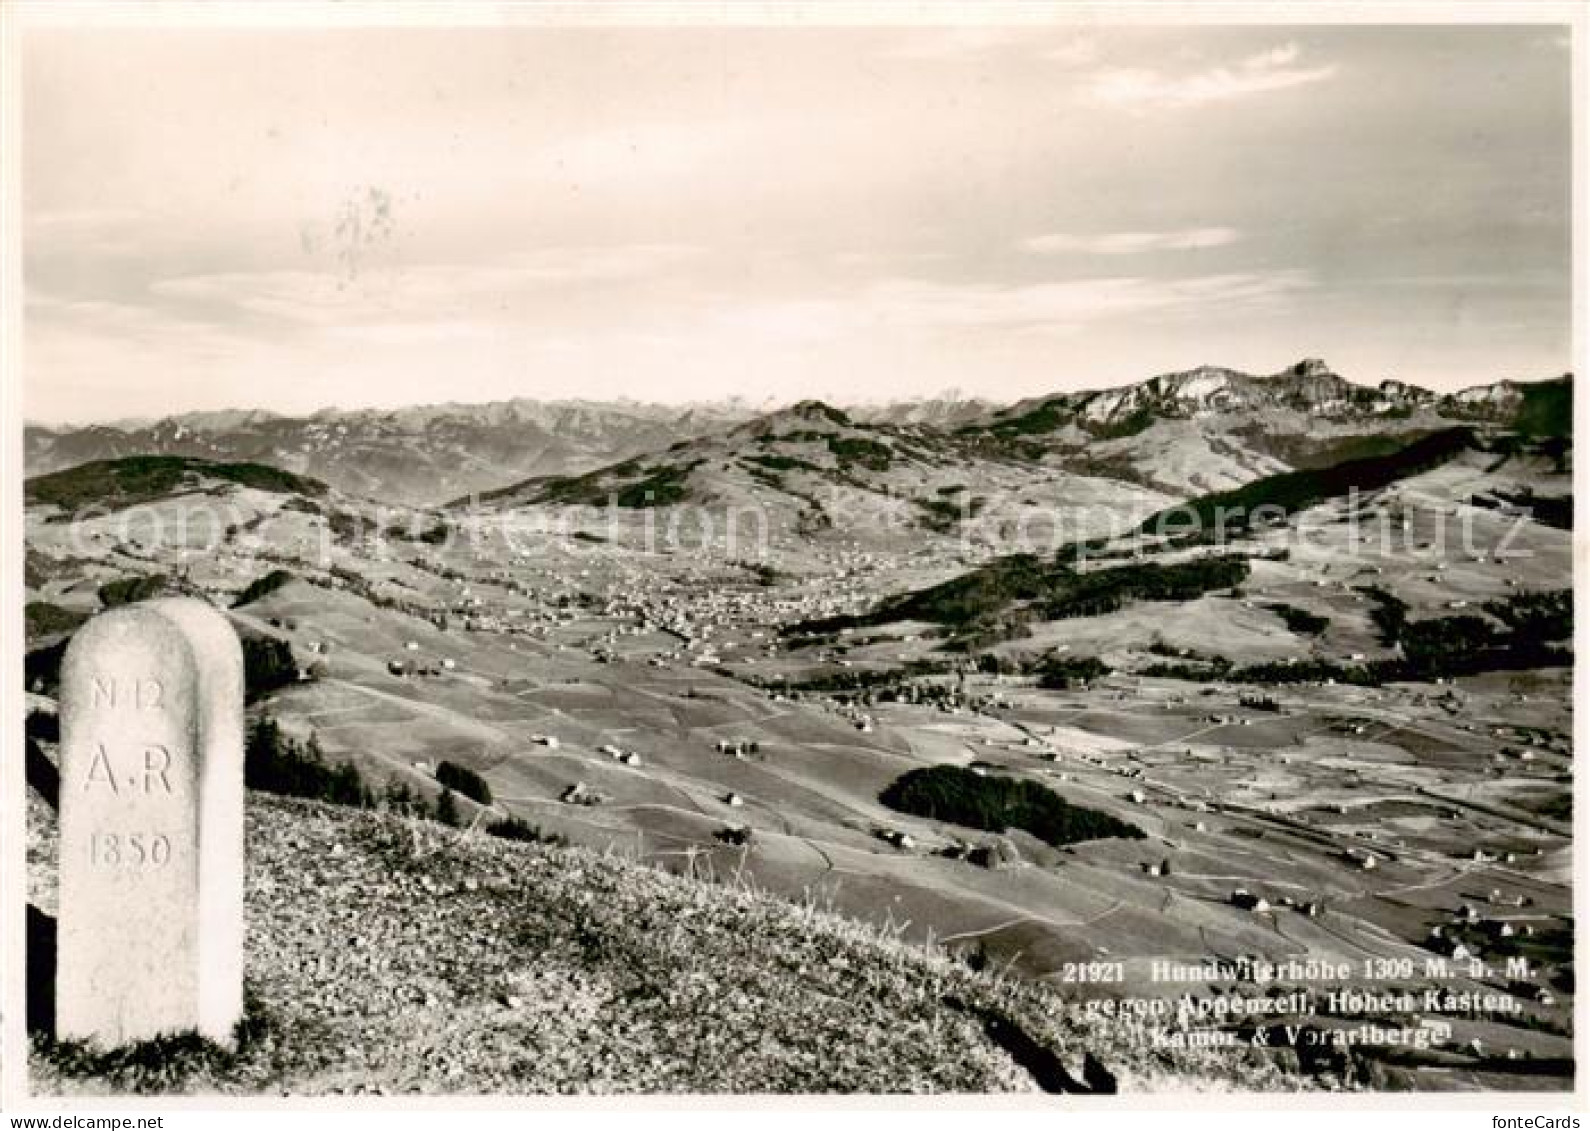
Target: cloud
{"type": "Point", "coordinates": [1283, 56]}
{"type": "Point", "coordinates": [94, 221]}
{"type": "Point", "coordinates": [886, 259]}
{"type": "Point", "coordinates": [405, 334]}
{"type": "Point", "coordinates": [436, 291]}
{"type": "Point", "coordinates": [1071, 304]}
{"type": "Point", "coordinates": [112, 320]}
{"type": "Point", "coordinates": [1261, 73]}
{"type": "Point", "coordinates": [1077, 51]}
{"type": "Point", "coordinates": [100, 232]}
{"type": "Point", "coordinates": [916, 306]}
{"type": "Point", "coordinates": [951, 43]}
{"type": "Point", "coordinates": [956, 43]}
{"type": "Point", "coordinates": [1129, 243]}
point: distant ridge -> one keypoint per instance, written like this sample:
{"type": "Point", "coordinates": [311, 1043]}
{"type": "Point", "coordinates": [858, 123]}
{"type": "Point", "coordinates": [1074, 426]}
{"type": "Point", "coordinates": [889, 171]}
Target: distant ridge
{"type": "Point", "coordinates": [1243, 426]}
{"type": "Point", "coordinates": [1309, 386]}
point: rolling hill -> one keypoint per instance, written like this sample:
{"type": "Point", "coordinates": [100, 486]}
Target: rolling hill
{"type": "Point", "coordinates": [1211, 428]}
{"type": "Point", "coordinates": [413, 455]}
{"type": "Point", "coordinates": [815, 471]}
{"type": "Point", "coordinates": [1184, 433]}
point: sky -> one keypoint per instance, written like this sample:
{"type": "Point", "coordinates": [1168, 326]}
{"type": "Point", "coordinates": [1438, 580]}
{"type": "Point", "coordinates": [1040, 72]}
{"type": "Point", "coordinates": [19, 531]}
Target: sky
{"type": "Point", "coordinates": [293, 219]}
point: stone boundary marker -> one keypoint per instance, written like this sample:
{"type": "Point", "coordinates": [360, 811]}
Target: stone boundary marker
{"type": "Point", "coordinates": [151, 808]}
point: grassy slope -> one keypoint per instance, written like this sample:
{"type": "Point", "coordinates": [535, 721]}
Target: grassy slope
{"type": "Point", "coordinates": [1294, 491]}
{"type": "Point", "coordinates": [397, 956]}
{"type": "Point", "coordinates": [1046, 590]}
{"type": "Point", "coordinates": [1547, 409]}
{"type": "Point", "coordinates": [988, 592]}
{"type": "Point", "coordinates": [117, 483]}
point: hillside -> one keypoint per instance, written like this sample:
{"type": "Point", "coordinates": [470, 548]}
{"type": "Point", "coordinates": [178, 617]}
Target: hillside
{"type": "Point", "coordinates": [812, 438]}
{"type": "Point", "coordinates": [1192, 432]}
{"type": "Point", "coordinates": [117, 483]}
{"type": "Point", "coordinates": [1003, 598]}
{"type": "Point", "coordinates": [1310, 386]}
{"type": "Point", "coordinates": [812, 470]}
{"type": "Point", "coordinates": [1278, 496]}
{"type": "Point", "coordinates": [129, 521]}
{"type": "Point", "coordinates": [942, 464]}
{"type": "Point", "coordinates": [417, 455]}
{"type": "Point", "coordinates": [387, 956]}
{"type": "Point", "coordinates": [1212, 428]}
{"type": "Point", "coordinates": [945, 410]}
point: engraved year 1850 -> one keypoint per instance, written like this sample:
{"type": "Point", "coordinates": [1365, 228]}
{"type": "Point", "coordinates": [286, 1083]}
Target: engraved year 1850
{"type": "Point", "coordinates": [129, 850]}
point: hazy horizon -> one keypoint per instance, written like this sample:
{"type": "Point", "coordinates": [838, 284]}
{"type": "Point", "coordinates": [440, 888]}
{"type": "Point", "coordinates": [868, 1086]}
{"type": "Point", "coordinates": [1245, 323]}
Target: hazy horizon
{"type": "Point", "coordinates": [377, 218]}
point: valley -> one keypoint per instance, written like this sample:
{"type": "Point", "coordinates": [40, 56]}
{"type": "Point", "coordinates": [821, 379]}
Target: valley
{"type": "Point", "coordinates": [1344, 732]}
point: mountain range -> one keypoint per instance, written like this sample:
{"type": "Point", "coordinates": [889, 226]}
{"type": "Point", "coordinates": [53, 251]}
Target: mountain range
{"type": "Point", "coordinates": [1183, 433]}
